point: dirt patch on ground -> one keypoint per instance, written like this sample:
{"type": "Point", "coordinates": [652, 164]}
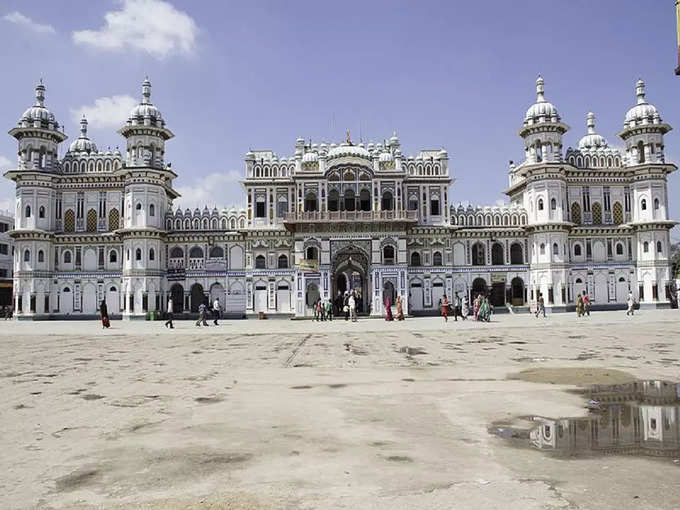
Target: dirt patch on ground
{"type": "Point", "coordinates": [578, 376]}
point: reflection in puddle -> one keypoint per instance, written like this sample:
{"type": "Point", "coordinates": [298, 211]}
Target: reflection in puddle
{"type": "Point", "coordinates": [637, 418]}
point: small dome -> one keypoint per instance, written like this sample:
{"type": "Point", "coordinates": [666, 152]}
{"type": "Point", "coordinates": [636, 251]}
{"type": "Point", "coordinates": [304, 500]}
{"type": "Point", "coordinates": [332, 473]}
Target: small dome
{"type": "Point", "coordinates": [83, 143]}
{"type": "Point", "coordinates": [443, 154]}
{"type": "Point", "coordinates": [146, 109]}
{"type": "Point", "coordinates": [385, 157]}
{"type": "Point", "coordinates": [310, 157]}
{"type": "Point", "coordinates": [642, 112]}
{"type": "Point", "coordinates": [592, 140]}
{"type": "Point", "coordinates": [39, 111]}
{"type": "Point", "coordinates": [541, 110]}
{"type": "Point", "coordinates": [394, 140]}
{"type": "Point", "coordinates": [348, 150]}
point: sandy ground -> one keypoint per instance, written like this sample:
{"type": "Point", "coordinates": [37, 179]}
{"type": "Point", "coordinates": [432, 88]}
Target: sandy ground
{"type": "Point", "coordinates": [301, 415]}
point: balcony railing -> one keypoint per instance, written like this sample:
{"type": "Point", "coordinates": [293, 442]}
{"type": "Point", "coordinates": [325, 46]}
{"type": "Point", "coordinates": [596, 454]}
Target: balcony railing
{"type": "Point", "coordinates": [196, 263]}
{"type": "Point", "coordinates": [587, 218]}
{"type": "Point", "coordinates": [344, 216]}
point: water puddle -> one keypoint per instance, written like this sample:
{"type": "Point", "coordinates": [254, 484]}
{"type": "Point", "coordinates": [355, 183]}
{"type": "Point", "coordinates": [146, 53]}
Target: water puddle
{"type": "Point", "coordinates": [639, 418]}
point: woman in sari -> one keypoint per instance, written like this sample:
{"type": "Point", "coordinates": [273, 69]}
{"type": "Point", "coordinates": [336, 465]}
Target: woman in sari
{"type": "Point", "coordinates": [388, 310]}
{"type": "Point", "coordinates": [475, 307]}
{"type": "Point", "coordinates": [484, 310]}
{"type": "Point", "coordinates": [466, 308]}
{"type": "Point", "coordinates": [579, 306]}
{"type": "Point", "coordinates": [400, 309]}
{"type": "Point", "coordinates": [445, 308]}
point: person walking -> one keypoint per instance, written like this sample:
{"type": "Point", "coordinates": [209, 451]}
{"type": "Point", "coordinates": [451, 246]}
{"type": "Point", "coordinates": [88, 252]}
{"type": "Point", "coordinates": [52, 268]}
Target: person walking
{"type": "Point", "coordinates": [388, 309]}
{"type": "Point", "coordinates": [586, 303]}
{"type": "Point", "coordinates": [168, 314]}
{"type": "Point", "coordinates": [484, 310]}
{"type": "Point", "coordinates": [352, 307]}
{"type": "Point", "coordinates": [456, 307]}
{"type": "Point", "coordinates": [217, 311]}
{"type": "Point", "coordinates": [400, 309]}
{"type": "Point", "coordinates": [104, 312]}
{"type": "Point", "coordinates": [631, 304]}
{"type": "Point", "coordinates": [329, 310]}
{"type": "Point", "coordinates": [540, 306]}
{"type": "Point", "coordinates": [345, 305]}
{"type": "Point", "coordinates": [445, 308]}
{"type": "Point", "coordinates": [475, 306]}
{"type": "Point", "coordinates": [465, 308]}
{"type": "Point", "coordinates": [201, 315]}
{"type": "Point", "coordinates": [579, 306]}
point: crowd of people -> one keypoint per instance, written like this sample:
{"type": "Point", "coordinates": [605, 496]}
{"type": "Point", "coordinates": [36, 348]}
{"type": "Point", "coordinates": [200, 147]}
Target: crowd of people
{"type": "Point", "coordinates": [481, 309]}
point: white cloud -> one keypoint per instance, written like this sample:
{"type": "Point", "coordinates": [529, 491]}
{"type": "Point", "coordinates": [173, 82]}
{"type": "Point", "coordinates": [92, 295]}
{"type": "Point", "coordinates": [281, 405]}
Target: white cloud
{"type": "Point", "coordinates": [106, 112]}
{"type": "Point", "coordinates": [149, 26]}
{"type": "Point", "coordinates": [219, 189]}
{"type": "Point", "coordinates": [24, 21]}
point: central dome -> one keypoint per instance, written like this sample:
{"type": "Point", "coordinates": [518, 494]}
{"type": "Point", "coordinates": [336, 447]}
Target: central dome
{"type": "Point", "coordinates": [592, 140]}
{"type": "Point", "coordinates": [83, 142]}
{"type": "Point", "coordinates": [348, 150]}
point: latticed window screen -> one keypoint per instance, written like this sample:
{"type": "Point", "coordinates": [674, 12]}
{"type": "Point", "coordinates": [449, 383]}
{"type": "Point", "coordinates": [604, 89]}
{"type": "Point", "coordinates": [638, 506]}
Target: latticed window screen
{"type": "Point", "coordinates": [576, 213]}
{"type": "Point", "coordinates": [91, 220]}
{"type": "Point", "coordinates": [618, 213]}
{"type": "Point", "coordinates": [113, 219]}
{"type": "Point", "coordinates": [70, 221]}
{"type": "Point", "coordinates": [597, 213]}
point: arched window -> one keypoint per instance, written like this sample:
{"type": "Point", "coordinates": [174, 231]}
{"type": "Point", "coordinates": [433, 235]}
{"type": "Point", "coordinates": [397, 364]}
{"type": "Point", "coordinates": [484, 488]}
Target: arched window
{"type": "Point", "coordinates": [645, 247]}
{"type": "Point", "coordinates": [196, 252]}
{"type": "Point", "coordinates": [597, 213]}
{"type": "Point", "coordinates": [28, 212]}
{"type": "Point", "coordinates": [641, 152]}
{"type": "Point", "coordinates": [540, 204]}
{"type": "Point", "coordinates": [27, 256]}
{"type": "Point", "coordinates": [577, 250]}
{"type": "Point", "coordinates": [283, 262]}
{"type": "Point", "coordinates": [542, 249]}
{"type": "Point", "coordinates": [138, 254]}
{"type": "Point", "coordinates": [216, 252]}
{"type": "Point", "coordinates": [415, 258]}
{"type": "Point", "coordinates": [659, 247]}
{"type": "Point", "coordinates": [333, 200]}
{"type": "Point", "coordinates": [365, 200]}
{"type": "Point", "coordinates": [67, 257]}
{"type": "Point", "coordinates": [311, 203]}
{"type": "Point", "coordinates": [656, 204]}
{"type": "Point", "coordinates": [413, 203]}
{"type": "Point", "coordinates": [176, 253]}
{"type": "Point", "coordinates": [41, 211]}
{"type": "Point", "coordinates": [41, 256]}
{"type": "Point", "coordinates": [387, 201]}
{"type": "Point", "coordinates": [576, 213]}
{"type": "Point", "coordinates": [516, 255]}
{"type": "Point", "coordinates": [437, 258]}
{"type": "Point", "coordinates": [152, 254]}
{"type": "Point", "coordinates": [388, 255]}
{"type": "Point", "coordinates": [497, 258]}
{"type": "Point", "coordinates": [350, 200]}
{"type": "Point", "coordinates": [260, 262]}
{"type": "Point", "coordinates": [312, 253]}
{"type": "Point", "coordinates": [553, 204]}
{"type": "Point", "coordinates": [619, 249]}
{"type": "Point", "coordinates": [152, 210]}
{"type": "Point", "coordinates": [113, 256]}
{"type": "Point", "coordinates": [478, 255]}
{"type": "Point", "coordinates": [556, 249]}
{"type": "Point", "coordinates": [138, 206]}
{"type": "Point", "coordinates": [643, 204]}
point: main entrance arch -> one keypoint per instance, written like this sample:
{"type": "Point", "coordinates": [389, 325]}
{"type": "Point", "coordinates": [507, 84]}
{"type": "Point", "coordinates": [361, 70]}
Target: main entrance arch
{"type": "Point", "coordinates": [351, 273]}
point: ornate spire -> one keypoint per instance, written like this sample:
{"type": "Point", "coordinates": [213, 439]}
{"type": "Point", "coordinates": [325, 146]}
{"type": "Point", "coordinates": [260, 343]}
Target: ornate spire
{"type": "Point", "coordinates": [83, 127]}
{"type": "Point", "coordinates": [146, 91]}
{"type": "Point", "coordinates": [40, 94]}
{"type": "Point", "coordinates": [540, 90]}
{"type": "Point", "coordinates": [640, 91]}
{"type": "Point", "coordinates": [590, 123]}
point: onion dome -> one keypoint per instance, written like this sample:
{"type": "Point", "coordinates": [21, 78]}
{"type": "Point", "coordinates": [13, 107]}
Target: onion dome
{"type": "Point", "coordinates": [83, 143]}
{"type": "Point", "coordinates": [310, 157]}
{"type": "Point", "coordinates": [385, 157]}
{"type": "Point", "coordinates": [642, 112]}
{"type": "Point", "coordinates": [592, 140]}
{"type": "Point", "coordinates": [146, 109]}
{"type": "Point", "coordinates": [250, 156]}
{"type": "Point", "coordinates": [541, 110]}
{"type": "Point", "coordinates": [348, 150]}
{"type": "Point", "coordinates": [394, 140]}
{"type": "Point", "coordinates": [39, 112]}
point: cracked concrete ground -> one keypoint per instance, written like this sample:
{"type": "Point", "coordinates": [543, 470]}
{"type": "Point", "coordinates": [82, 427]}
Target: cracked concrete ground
{"type": "Point", "coordinates": [304, 415]}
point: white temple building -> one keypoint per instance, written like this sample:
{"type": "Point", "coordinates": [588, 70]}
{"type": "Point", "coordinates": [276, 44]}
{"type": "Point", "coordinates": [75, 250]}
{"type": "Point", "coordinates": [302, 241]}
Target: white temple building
{"type": "Point", "coordinates": [94, 225]}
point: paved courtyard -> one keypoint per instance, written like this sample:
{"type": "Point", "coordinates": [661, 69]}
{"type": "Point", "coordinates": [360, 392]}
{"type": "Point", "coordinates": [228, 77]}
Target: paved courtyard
{"type": "Point", "coordinates": [303, 415]}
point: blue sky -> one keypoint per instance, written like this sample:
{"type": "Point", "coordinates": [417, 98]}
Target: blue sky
{"type": "Point", "coordinates": [232, 76]}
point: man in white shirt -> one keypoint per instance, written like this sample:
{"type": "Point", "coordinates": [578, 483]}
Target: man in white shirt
{"type": "Point", "coordinates": [169, 314]}
{"type": "Point", "coordinates": [352, 307]}
{"type": "Point", "coordinates": [216, 310]}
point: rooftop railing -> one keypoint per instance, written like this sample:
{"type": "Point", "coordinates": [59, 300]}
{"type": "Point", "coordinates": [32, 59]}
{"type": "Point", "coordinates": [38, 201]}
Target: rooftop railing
{"type": "Point", "coordinates": [344, 216]}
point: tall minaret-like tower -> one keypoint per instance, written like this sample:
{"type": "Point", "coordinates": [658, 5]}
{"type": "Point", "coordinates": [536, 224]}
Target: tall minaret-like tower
{"type": "Point", "coordinates": [148, 195]}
